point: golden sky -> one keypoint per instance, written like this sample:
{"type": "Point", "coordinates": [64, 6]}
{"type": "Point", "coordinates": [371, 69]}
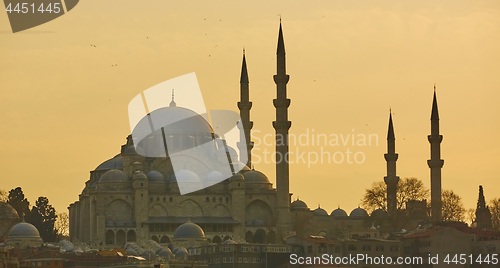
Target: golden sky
{"type": "Point", "coordinates": [63, 108]}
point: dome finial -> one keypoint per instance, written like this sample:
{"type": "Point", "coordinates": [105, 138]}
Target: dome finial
{"type": "Point", "coordinates": [172, 103]}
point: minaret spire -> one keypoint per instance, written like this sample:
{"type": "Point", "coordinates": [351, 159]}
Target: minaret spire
{"type": "Point", "coordinates": [281, 126]}
{"type": "Point", "coordinates": [483, 214]}
{"type": "Point", "coordinates": [245, 105]}
{"type": "Point", "coordinates": [391, 180]}
{"type": "Point", "coordinates": [435, 163]}
{"type": "Point", "coordinates": [172, 103]}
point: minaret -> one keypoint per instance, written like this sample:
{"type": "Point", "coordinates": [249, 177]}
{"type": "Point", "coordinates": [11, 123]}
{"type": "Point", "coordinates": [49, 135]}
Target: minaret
{"type": "Point", "coordinates": [282, 125]}
{"type": "Point", "coordinates": [391, 179]}
{"type": "Point", "coordinates": [245, 105]}
{"type": "Point", "coordinates": [435, 163]}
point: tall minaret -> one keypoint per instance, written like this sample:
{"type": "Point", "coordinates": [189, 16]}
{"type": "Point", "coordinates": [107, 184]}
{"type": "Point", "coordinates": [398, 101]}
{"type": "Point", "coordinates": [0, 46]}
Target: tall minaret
{"type": "Point", "coordinates": [282, 125]}
{"type": "Point", "coordinates": [245, 105]}
{"type": "Point", "coordinates": [391, 179]}
{"type": "Point", "coordinates": [435, 163]}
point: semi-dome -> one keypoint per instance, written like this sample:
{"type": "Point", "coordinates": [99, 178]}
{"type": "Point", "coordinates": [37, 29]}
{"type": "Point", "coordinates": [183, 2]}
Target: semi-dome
{"type": "Point", "coordinates": [114, 175]}
{"type": "Point", "coordinates": [320, 212]}
{"type": "Point", "coordinates": [358, 213]}
{"type": "Point", "coordinates": [379, 213]}
{"type": "Point", "coordinates": [254, 176]}
{"type": "Point", "coordinates": [132, 150]}
{"type": "Point", "coordinates": [215, 176]}
{"type": "Point", "coordinates": [339, 213]}
{"type": "Point", "coordinates": [185, 175]}
{"type": "Point", "coordinates": [24, 230]}
{"type": "Point", "coordinates": [189, 230]}
{"type": "Point", "coordinates": [154, 175]}
{"type": "Point", "coordinates": [113, 163]}
{"type": "Point", "coordinates": [299, 205]}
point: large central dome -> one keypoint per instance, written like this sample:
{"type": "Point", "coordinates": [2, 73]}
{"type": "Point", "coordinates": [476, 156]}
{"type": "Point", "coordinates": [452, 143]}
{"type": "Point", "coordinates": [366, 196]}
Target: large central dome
{"type": "Point", "coordinates": [175, 125]}
{"type": "Point", "coordinates": [174, 119]}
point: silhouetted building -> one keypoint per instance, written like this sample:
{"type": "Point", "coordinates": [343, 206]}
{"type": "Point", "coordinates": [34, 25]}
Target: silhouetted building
{"type": "Point", "coordinates": [435, 163]}
{"type": "Point", "coordinates": [483, 214]}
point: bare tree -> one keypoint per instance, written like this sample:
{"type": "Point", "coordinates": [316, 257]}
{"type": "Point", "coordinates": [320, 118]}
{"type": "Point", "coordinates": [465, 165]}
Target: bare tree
{"type": "Point", "coordinates": [408, 189]}
{"type": "Point", "coordinates": [495, 213]}
{"type": "Point", "coordinates": [470, 216]}
{"type": "Point", "coordinates": [62, 224]}
{"type": "Point", "coordinates": [453, 208]}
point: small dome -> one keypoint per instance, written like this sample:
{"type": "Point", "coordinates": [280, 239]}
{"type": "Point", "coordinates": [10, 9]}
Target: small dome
{"type": "Point", "coordinates": [114, 175]}
{"type": "Point", "coordinates": [320, 212]}
{"type": "Point", "coordinates": [185, 175]}
{"type": "Point", "coordinates": [131, 251]}
{"type": "Point", "coordinates": [299, 205]}
{"type": "Point", "coordinates": [339, 213]}
{"type": "Point", "coordinates": [254, 176]}
{"type": "Point", "coordinates": [24, 230]}
{"type": "Point", "coordinates": [132, 150]}
{"type": "Point", "coordinates": [358, 213]}
{"type": "Point", "coordinates": [229, 242]}
{"type": "Point", "coordinates": [189, 230]}
{"type": "Point", "coordinates": [237, 177]}
{"type": "Point", "coordinates": [154, 175]}
{"type": "Point", "coordinates": [165, 253]}
{"type": "Point", "coordinates": [379, 213]}
{"type": "Point", "coordinates": [181, 254]}
{"type": "Point", "coordinates": [113, 163]}
{"type": "Point", "coordinates": [138, 174]}
{"type": "Point", "coordinates": [148, 254]}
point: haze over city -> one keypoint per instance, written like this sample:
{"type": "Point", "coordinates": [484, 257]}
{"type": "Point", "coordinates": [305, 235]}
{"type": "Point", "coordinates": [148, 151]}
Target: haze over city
{"type": "Point", "coordinates": [66, 86]}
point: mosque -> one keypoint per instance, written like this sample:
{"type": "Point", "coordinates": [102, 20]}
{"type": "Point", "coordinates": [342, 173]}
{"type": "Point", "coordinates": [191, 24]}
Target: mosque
{"type": "Point", "coordinates": [132, 198]}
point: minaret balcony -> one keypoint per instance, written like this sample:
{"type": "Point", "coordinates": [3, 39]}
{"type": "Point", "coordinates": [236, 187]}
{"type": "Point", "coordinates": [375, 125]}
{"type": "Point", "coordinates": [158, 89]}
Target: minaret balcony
{"type": "Point", "coordinates": [280, 103]}
{"type": "Point", "coordinates": [282, 125]}
{"type": "Point", "coordinates": [281, 78]}
{"type": "Point", "coordinates": [435, 138]}
{"type": "Point", "coordinates": [391, 157]}
{"type": "Point", "coordinates": [244, 105]}
{"type": "Point", "coordinates": [435, 163]}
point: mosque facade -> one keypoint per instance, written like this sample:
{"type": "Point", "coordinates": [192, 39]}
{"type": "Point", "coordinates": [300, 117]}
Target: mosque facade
{"type": "Point", "coordinates": [133, 198]}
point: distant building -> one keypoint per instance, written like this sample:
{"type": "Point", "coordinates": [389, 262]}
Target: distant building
{"type": "Point", "coordinates": [132, 198]}
{"type": "Point", "coordinates": [24, 235]}
{"type": "Point", "coordinates": [231, 254]}
{"type": "Point", "coordinates": [438, 241]}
